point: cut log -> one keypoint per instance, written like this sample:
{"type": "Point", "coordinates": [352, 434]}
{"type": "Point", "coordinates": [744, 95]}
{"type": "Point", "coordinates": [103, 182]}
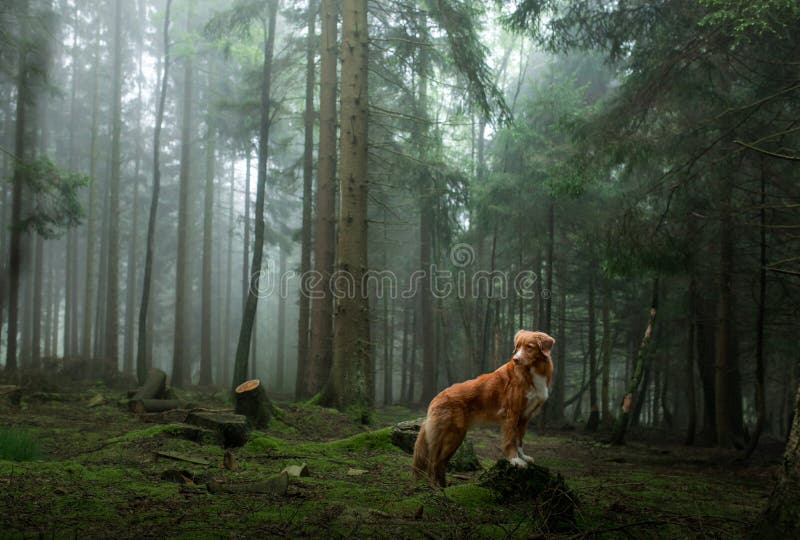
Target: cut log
{"type": "Point", "coordinates": [274, 485]}
{"type": "Point", "coordinates": [252, 401]}
{"type": "Point", "coordinates": [297, 471]}
{"type": "Point", "coordinates": [141, 406]}
{"type": "Point", "coordinates": [154, 385]}
{"type": "Point", "coordinates": [231, 429]}
{"type": "Point", "coordinates": [404, 436]}
{"type": "Point", "coordinates": [196, 434]}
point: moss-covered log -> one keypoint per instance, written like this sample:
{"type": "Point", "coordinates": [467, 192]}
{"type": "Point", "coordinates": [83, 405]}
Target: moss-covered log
{"type": "Point", "coordinates": [141, 406]}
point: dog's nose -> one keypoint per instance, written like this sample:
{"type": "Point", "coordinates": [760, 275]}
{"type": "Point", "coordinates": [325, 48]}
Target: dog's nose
{"type": "Point", "coordinates": [517, 355]}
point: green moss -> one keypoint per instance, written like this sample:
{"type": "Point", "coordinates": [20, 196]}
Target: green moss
{"type": "Point", "coordinates": [371, 440]}
{"type": "Point", "coordinates": [264, 444]}
{"type": "Point", "coordinates": [146, 433]}
{"type": "Point", "coordinates": [470, 495]}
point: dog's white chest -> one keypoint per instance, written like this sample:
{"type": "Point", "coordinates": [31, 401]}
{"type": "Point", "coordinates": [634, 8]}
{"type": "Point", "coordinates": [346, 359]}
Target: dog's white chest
{"type": "Point", "coordinates": [536, 395]}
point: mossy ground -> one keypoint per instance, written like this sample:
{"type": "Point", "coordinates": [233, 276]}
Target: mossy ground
{"type": "Point", "coordinates": [97, 476]}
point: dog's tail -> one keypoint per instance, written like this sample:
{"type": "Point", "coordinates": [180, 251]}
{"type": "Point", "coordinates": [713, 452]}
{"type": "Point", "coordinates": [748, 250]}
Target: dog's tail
{"type": "Point", "coordinates": [419, 467]}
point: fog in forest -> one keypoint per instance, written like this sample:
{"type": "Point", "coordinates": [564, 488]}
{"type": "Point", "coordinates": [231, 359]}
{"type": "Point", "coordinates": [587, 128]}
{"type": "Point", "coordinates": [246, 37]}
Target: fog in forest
{"type": "Point", "coordinates": [360, 203]}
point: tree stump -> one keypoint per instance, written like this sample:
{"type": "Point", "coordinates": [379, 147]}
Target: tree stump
{"type": "Point", "coordinates": [252, 401]}
{"type": "Point", "coordinates": [231, 429]}
{"type": "Point", "coordinates": [553, 502]}
{"type": "Point", "coordinates": [153, 387]}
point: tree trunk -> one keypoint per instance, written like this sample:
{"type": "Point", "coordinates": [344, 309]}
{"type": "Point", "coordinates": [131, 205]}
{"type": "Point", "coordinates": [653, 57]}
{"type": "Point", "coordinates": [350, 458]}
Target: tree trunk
{"type": "Point", "coordinates": [594, 413]}
{"type": "Point", "coordinates": [226, 362]}
{"type": "Point", "coordinates": [723, 336]}
{"type": "Point", "coordinates": [130, 289]}
{"type": "Point", "coordinates": [691, 399]}
{"type": "Point", "coordinates": [246, 234]}
{"type": "Point", "coordinates": [180, 371]}
{"type": "Point", "coordinates": [208, 239]}
{"type": "Point", "coordinates": [349, 386]}
{"type": "Point", "coordinates": [761, 406]}
{"type": "Point", "coordinates": [557, 411]}
{"type": "Point", "coordinates": [280, 361]}
{"type": "Point", "coordinates": [24, 97]}
{"type": "Point", "coordinates": [404, 355]}
{"type": "Point", "coordinates": [621, 425]}
{"type": "Point", "coordinates": [142, 341]}
{"type": "Point", "coordinates": [251, 305]}
{"type": "Point", "coordinates": [88, 293]}
{"type": "Point", "coordinates": [38, 271]}
{"type": "Point", "coordinates": [321, 337]}
{"type": "Point", "coordinates": [412, 364]}
{"type": "Point", "coordinates": [606, 348]}
{"type": "Point", "coordinates": [112, 278]}
{"type": "Point", "coordinates": [426, 228]}
{"type": "Point", "coordinates": [781, 518]}
{"type": "Point", "coordinates": [549, 278]}
{"type": "Point", "coordinates": [308, 180]}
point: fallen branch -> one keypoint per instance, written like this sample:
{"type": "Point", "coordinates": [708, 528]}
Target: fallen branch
{"type": "Point", "coordinates": [181, 457]}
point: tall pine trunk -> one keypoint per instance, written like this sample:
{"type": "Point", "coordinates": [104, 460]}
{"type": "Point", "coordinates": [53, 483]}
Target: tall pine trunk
{"type": "Point", "coordinates": [251, 305]}
{"type": "Point", "coordinates": [308, 180]}
{"type": "Point", "coordinates": [723, 366]}
{"type": "Point", "coordinates": [130, 288]}
{"type": "Point", "coordinates": [605, 414]}
{"type": "Point", "coordinates": [88, 292]}
{"type": "Point", "coordinates": [208, 233]}
{"type": "Point", "coordinates": [112, 277]}
{"type": "Point", "coordinates": [145, 323]}
{"type": "Point", "coordinates": [321, 336]}
{"type": "Point", "coordinates": [350, 385]}
{"type": "Point", "coordinates": [280, 361]}
{"type": "Point", "coordinates": [180, 371]}
{"type": "Point", "coordinates": [426, 227]}
{"type": "Point", "coordinates": [24, 96]}
{"type": "Point", "coordinates": [761, 406]}
{"type": "Point", "coordinates": [594, 413]}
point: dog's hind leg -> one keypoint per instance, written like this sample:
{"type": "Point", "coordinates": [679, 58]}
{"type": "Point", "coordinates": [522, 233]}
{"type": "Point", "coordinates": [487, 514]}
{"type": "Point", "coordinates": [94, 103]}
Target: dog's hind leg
{"type": "Point", "coordinates": [421, 454]}
{"type": "Point", "coordinates": [448, 443]}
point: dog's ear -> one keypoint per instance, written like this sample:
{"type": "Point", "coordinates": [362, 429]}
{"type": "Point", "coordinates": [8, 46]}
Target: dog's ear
{"type": "Point", "coordinates": [517, 337]}
{"type": "Point", "coordinates": [545, 343]}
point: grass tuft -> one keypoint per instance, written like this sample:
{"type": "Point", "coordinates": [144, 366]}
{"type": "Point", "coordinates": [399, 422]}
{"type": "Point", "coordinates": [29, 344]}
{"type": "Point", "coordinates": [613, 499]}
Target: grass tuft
{"type": "Point", "coordinates": [18, 445]}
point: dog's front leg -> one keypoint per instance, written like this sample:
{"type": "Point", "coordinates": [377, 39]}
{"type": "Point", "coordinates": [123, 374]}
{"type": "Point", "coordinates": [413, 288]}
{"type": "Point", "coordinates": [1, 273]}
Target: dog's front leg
{"type": "Point", "coordinates": [522, 427]}
{"type": "Point", "coordinates": [511, 446]}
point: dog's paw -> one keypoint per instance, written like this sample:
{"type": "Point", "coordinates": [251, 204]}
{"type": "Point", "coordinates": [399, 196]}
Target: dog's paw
{"type": "Point", "coordinates": [518, 462]}
{"type": "Point", "coordinates": [528, 459]}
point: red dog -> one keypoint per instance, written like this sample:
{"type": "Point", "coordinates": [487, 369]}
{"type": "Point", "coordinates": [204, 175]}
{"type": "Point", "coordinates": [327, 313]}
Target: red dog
{"type": "Point", "coordinates": [510, 396]}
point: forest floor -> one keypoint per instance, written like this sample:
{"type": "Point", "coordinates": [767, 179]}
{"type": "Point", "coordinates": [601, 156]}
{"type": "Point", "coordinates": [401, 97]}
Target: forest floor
{"type": "Point", "coordinates": [97, 476]}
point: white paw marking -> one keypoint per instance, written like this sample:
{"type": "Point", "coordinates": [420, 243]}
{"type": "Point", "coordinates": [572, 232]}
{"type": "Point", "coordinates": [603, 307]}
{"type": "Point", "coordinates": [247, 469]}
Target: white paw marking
{"type": "Point", "coordinates": [519, 462]}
